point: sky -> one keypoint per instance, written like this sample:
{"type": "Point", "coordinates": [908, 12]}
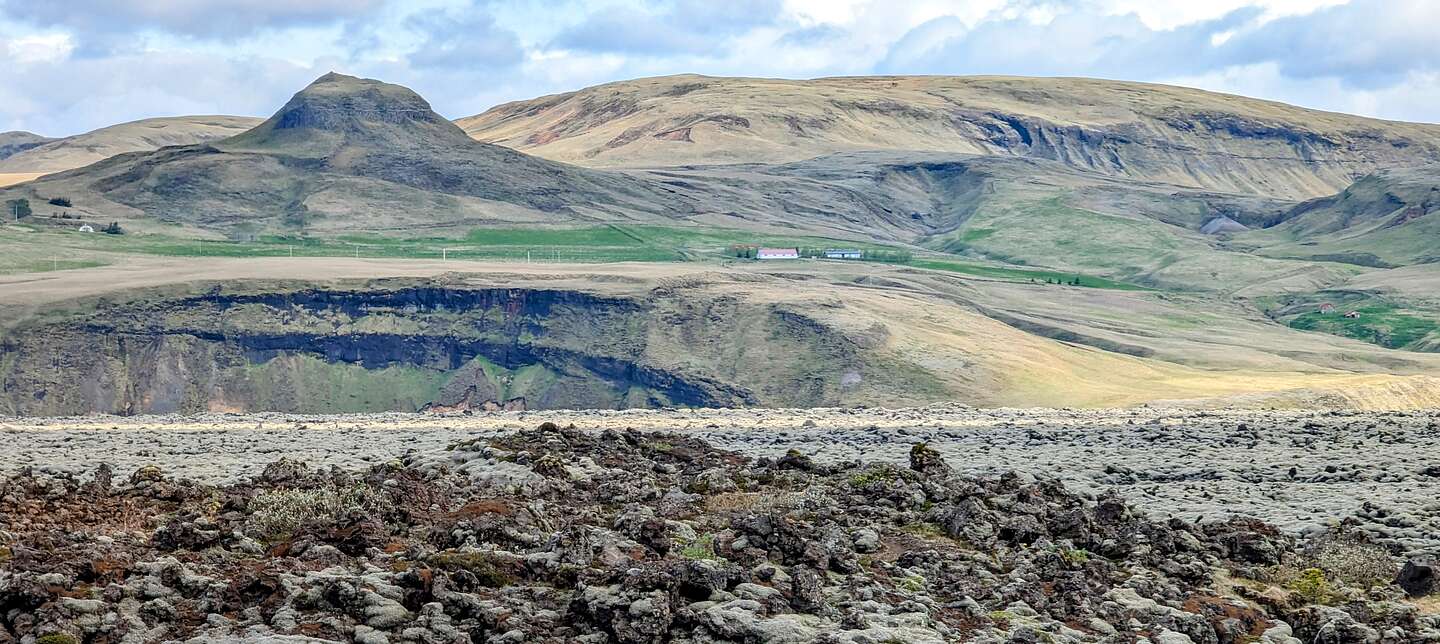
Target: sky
{"type": "Point", "coordinates": [75, 65]}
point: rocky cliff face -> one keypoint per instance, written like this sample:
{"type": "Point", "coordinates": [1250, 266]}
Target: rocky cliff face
{"type": "Point", "coordinates": [413, 348]}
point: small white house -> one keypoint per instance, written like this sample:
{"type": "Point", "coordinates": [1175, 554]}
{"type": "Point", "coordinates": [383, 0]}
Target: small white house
{"type": "Point", "coordinates": [86, 228]}
{"type": "Point", "coordinates": [844, 253]}
{"type": "Point", "coordinates": [777, 253]}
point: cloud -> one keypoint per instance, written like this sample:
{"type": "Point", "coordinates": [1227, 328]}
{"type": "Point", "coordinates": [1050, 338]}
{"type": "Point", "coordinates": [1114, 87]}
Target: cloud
{"type": "Point", "coordinates": [673, 27]}
{"type": "Point", "coordinates": [1072, 43]}
{"type": "Point", "coordinates": [1367, 43]}
{"type": "Point", "coordinates": [71, 65]}
{"type": "Point", "coordinates": [468, 39]}
{"type": "Point", "coordinates": [810, 36]}
{"type": "Point", "coordinates": [61, 97]}
{"type": "Point", "coordinates": [220, 19]}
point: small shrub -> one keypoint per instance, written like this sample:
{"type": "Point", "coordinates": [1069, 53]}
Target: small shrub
{"type": "Point", "coordinates": [113, 229]}
{"type": "Point", "coordinates": [1312, 586]}
{"type": "Point", "coordinates": [1074, 556]}
{"type": "Point", "coordinates": [57, 638]}
{"type": "Point", "coordinates": [1352, 559]}
{"type": "Point", "coordinates": [282, 512]}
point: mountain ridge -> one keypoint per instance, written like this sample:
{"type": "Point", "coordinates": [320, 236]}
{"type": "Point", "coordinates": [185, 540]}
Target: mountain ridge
{"type": "Point", "coordinates": [15, 142]}
{"type": "Point", "coordinates": [1178, 135]}
{"type": "Point", "coordinates": [68, 153]}
{"type": "Point", "coordinates": [325, 161]}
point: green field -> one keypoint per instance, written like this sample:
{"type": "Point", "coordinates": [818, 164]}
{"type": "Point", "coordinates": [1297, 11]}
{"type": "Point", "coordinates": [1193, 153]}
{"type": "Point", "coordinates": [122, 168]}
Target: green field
{"type": "Point", "coordinates": [34, 249]}
{"type": "Point", "coordinates": [594, 244]}
{"type": "Point", "coordinates": [1379, 323]}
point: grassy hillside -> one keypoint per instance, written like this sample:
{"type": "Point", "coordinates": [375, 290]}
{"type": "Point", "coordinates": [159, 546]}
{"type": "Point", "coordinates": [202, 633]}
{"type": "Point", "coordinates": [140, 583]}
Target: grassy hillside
{"type": "Point", "coordinates": [1385, 219]}
{"type": "Point", "coordinates": [1140, 131]}
{"type": "Point", "coordinates": [12, 143]}
{"type": "Point", "coordinates": [58, 155]}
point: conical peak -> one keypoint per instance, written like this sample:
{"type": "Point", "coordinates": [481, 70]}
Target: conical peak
{"type": "Point", "coordinates": [345, 103]}
{"type": "Point", "coordinates": [360, 111]}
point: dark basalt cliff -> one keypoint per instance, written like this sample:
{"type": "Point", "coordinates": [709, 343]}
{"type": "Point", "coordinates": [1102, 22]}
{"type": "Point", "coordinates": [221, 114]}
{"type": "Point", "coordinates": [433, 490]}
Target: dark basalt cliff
{"type": "Point", "coordinates": [415, 347]}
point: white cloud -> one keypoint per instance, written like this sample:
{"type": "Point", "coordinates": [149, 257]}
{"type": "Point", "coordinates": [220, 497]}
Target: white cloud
{"type": "Point", "coordinates": [126, 59]}
{"type": "Point", "coordinates": [39, 48]}
{"type": "Point", "coordinates": [1169, 14]}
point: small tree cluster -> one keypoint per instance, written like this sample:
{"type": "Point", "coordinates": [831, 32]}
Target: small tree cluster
{"type": "Point", "coordinates": [743, 251]}
{"type": "Point", "coordinates": [890, 256]}
{"type": "Point", "coordinates": [113, 229]}
{"type": "Point", "coordinates": [63, 202]}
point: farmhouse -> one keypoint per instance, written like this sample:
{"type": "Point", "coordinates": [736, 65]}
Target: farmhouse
{"type": "Point", "coordinates": [843, 253]}
{"type": "Point", "coordinates": [1327, 309]}
{"type": "Point", "coordinates": [777, 253]}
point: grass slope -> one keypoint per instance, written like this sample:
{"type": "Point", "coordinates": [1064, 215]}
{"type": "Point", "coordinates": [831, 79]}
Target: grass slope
{"type": "Point", "coordinates": [1141, 131]}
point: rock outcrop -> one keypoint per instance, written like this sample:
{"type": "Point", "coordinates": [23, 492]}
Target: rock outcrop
{"type": "Point", "coordinates": [561, 535]}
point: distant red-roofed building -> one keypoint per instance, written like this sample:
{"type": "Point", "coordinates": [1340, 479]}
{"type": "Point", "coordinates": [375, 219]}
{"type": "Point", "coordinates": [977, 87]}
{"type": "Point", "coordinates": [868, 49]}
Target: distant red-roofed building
{"type": "Point", "coordinates": [1327, 309]}
{"type": "Point", "coordinates": [777, 253]}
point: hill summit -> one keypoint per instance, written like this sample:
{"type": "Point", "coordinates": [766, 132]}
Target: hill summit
{"type": "Point", "coordinates": [339, 110]}
{"type": "Point", "coordinates": [349, 154]}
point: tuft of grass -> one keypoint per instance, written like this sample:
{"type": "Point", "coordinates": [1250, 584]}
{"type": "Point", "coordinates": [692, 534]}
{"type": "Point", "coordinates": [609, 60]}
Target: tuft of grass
{"type": "Point", "coordinates": [877, 473]}
{"type": "Point", "coordinates": [912, 583]}
{"type": "Point", "coordinates": [485, 566]}
{"type": "Point", "coordinates": [1002, 616]}
{"type": "Point", "coordinates": [924, 530]}
{"type": "Point", "coordinates": [703, 548]}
